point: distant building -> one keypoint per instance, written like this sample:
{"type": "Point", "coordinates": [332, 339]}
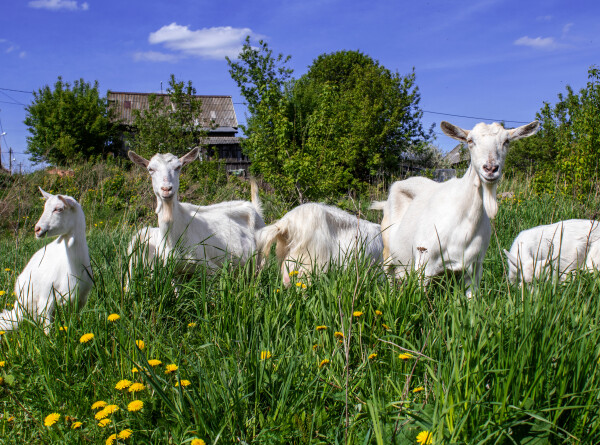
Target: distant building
{"type": "Point", "coordinates": [217, 118]}
{"type": "Point", "coordinates": [458, 157]}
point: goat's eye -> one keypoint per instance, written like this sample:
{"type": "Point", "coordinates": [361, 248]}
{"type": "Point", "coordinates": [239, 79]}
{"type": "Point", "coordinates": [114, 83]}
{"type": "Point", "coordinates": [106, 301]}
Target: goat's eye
{"type": "Point", "coordinates": [150, 170]}
{"type": "Point", "coordinates": [58, 210]}
{"type": "Point", "coordinates": [177, 168]}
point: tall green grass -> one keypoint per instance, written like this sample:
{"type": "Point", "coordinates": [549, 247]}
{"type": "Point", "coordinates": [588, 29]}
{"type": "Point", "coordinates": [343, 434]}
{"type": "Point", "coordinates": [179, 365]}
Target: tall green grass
{"type": "Point", "coordinates": [512, 365]}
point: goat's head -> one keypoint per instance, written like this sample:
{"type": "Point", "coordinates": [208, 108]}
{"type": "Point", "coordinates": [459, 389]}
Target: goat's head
{"type": "Point", "coordinates": [59, 216]}
{"type": "Point", "coordinates": [488, 145]}
{"type": "Point", "coordinates": [164, 171]}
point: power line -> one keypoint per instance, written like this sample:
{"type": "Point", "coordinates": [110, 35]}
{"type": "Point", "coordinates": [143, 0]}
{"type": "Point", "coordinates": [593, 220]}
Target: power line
{"type": "Point", "coordinates": [16, 91]}
{"type": "Point", "coordinates": [474, 117]}
{"type": "Point", "coordinates": [12, 103]}
{"type": "Point", "coordinates": [13, 99]}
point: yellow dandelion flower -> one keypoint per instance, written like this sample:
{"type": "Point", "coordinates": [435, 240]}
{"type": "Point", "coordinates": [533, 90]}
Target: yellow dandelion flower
{"type": "Point", "coordinates": [357, 313]}
{"type": "Point", "coordinates": [111, 439]}
{"type": "Point", "coordinates": [140, 344]}
{"type": "Point", "coordinates": [323, 363]}
{"type": "Point", "coordinates": [197, 442]}
{"type": "Point", "coordinates": [265, 355]}
{"type": "Point", "coordinates": [385, 326]}
{"type": "Point", "coordinates": [99, 404]}
{"type": "Point", "coordinates": [171, 368]}
{"type": "Point", "coordinates": [425, 438]}
{"type": "Point", "coordinates": [378, 312]}
{"type": "Point", "coordinates": [125, 434]}
{"type": "Point", "coordinates": [405, 356]}
{"type": "Point", "coordinates": [6, 269]}
{"type": "Point", "coordinates": [339, 335]}
{"type": "Point", "coordinates": [11, 419]}
{"type": "Point", "coordinates": [298, 284]}
{"type": "Point", "coordinates": [315, 347]}
{"type": "Point", "coordinates": [1, 381]}
{"type": "Point", "coordinates": [304, 286]}
{"type": "Point", "coordinates": [122, 384]}
{"type": "Point", "coordinates": [372, 356]}
{"type": "Point", "coordinates": [184, 383]}
{"type": "Point", "coordinates": [104, 422]}
{"type": "Point", "coordinates": [136, 387]}
{"type": "Point", "coordinates": [63, 328]}
{"type": "Point", "coordinates": [51, 419]}
{"type": "Point", "coordinates": [321, 328]}
{"type": "Point", "coordinates": [191, 325]}
{"type": "Point", "coordinates": [76, 425]}
{"type": "Point", "coordinates": [86, 337]}
{"type": "Point", "coordinates": [134, 370]}
{"type": "Point", "coordinates": [136, 405]}
{"type": "Point", "coordinates": [101, 414]}
{"type": "Point", "coordinates": [418, 389]}
{"type": "Point", "coordinates": [2, 332]}
{"type": "Point", "coordinates": [113, 317]}
{"type": "Point", "coordinates": [111, 408]}
{"type": "Point", "coordinates": [293, 273]}
{"type": "Point", "coordinates": [2, 363]}
{"type": "Point", "coordinates": [154, 362]}
{"type": "Point", "coordinates": [2, 292]}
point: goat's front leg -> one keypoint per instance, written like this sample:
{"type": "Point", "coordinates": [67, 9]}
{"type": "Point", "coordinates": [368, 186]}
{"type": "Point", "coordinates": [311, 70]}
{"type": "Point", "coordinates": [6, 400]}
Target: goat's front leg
{"type": "Point", "coordinates": [472, 276]}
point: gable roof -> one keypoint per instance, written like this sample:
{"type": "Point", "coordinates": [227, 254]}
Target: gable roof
{"type": "Point", "coordinates": [454, 156]}
{"type": "Point", "coordinates": [215, 109]}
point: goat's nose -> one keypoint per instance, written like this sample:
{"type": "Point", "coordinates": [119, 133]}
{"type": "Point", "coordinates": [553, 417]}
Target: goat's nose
{"type": "Point", "coordinates": [166, 188]}
{"type": "Point", "coordinates": [37, 229]}
{"type": "Point", "coordinates": [491, 168]}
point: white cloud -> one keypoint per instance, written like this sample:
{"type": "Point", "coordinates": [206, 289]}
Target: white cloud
{"type": "Point", "coordinates": [154, 56]}
{"type": "Point", "coordinates": [22, 55]}
{"type": "Point", "coordinates": [210, 43]}
{"type": "Point", "coordinates": [55, 5]}
{"type": "Point", "coordinates": [538, 42]}
{"type": "Point", "coordinates": [566, 29]}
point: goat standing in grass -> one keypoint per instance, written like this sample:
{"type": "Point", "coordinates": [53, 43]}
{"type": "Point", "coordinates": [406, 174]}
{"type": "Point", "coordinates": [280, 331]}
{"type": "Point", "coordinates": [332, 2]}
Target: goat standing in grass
{"type": "Point", "coordinates": [314, 234]}
{"type": "Point", "coordinates": [58, 273]}
{"type": "Point", "coordinates": [434, 227]}
{"type": "Point", "coordinates": [561, 247]}
{"type": "Point", "coordinates": [197, 234]}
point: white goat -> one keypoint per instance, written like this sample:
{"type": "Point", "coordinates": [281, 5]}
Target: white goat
{"type": "Point", "coordinates": [562, 247]}
{"type": "Point", "coordinates": [58, 273]}
{"type": "Point", "coordinates": [208, 234]}
{"type": "Point", "coordinates": [435, 227]}
{"type": "Point", "coordinates": [316, 234]}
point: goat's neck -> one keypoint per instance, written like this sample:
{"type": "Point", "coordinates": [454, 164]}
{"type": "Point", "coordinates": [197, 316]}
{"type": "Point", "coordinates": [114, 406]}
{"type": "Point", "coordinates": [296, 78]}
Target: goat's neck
{"type": "Point", "coordinates": [479, 196]}
{"type": "Point", "coordinates": [75, 244]}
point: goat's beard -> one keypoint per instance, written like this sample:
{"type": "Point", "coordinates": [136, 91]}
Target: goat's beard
{"type": "Point", "coordinates": [490, 204]}
{"type": "Point", "coordinates": [164, 210]}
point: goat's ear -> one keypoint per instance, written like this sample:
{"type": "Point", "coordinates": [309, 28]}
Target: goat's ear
{"type": "Point", "coordinates": [454, 132]}
{"type": "Point", "coordinates": [524, 131]}
{"type": "Point", "coordinates": [67, 200]}
{"type": "Point", "coordinates": [137, 159]}
{"type": "Point", "coordinates": [191, 156]}
{"type": "Point", "coordinates": [511, 258]}
{"type": "Point", "coordinates": [46, 195]}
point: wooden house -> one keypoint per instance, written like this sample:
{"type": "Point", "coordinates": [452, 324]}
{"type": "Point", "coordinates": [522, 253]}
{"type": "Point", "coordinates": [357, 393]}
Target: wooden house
{"type": "Point", "coordinates": [217, 118]}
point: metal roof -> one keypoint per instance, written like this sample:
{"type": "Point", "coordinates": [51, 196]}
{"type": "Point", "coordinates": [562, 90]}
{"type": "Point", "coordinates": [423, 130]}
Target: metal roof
{"type": "Point", "coordinates": [220, 140]}
{"type": "Point", "coordinates": [215, 109]}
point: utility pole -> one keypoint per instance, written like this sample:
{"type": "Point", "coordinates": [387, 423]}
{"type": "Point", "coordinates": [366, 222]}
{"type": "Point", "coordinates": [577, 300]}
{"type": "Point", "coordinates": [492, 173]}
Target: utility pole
{"type": "Point", "coordinates": [1, 134]}
{"type": "Point", "coordinates": [10, 153]}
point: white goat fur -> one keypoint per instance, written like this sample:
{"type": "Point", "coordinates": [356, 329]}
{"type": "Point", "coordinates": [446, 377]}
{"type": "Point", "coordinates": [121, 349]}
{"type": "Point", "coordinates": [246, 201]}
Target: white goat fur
{"type": "Point", "coordinates": [433, 227]}
{"type": "Point", "coordinates": [58, 273]}
{"type": "Point", "coordinates": [561, 247]}
{"type": "Point", "coordinates": [207, 234]}
{"type": "Point", "coordinates": [315, 234]}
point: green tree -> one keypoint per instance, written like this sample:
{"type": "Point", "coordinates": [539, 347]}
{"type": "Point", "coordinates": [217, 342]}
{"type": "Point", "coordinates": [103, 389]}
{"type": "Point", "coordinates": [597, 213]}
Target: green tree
{"type": "Point", "coordinates": [171, 123]}
{"type": "Point", "coordinates": [345, 120]}
{"type": "Point", "coordinates": [68, 123]}
{"type": "Point", "coordinates": [566, 151]}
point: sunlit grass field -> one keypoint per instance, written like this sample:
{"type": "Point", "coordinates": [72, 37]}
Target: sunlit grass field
{"type": "Point", "coordinates": [348, 357]}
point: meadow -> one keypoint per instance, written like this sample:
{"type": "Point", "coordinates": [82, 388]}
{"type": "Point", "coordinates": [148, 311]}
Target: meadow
{"type": "Point", "coordinates": [347, 358]}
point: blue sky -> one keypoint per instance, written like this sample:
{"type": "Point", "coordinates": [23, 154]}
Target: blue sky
{"type": "Point", "coordinates": [487, 59]}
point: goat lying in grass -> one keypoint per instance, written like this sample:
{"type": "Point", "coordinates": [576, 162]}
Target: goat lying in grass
{"type": "Point", "coordinates": [196, 234]}
{"type": "Point", "coordinates": [560, 248]}
{"type": "Point", "coordinates": [316, 234]}
{"type": "Point", "coordinates": [58, 273]}
{"type": "Point", "coordinates": [434, 227]}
